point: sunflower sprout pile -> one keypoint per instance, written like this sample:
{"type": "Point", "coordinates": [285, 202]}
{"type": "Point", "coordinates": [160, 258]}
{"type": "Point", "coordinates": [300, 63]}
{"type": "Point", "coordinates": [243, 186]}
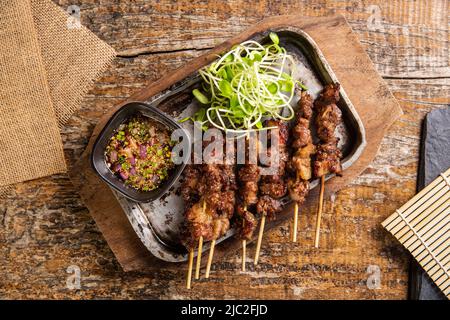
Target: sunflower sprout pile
{"type": "Point", "coordinates": [246, 85]}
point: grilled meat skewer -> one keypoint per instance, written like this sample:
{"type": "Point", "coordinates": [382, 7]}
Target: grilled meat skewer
{"type": "Point", "coordinates": [209, 191]}
{"type": "Point", "coordinates": [303, 149]}
{"type": "Point", "coordinates": [273, 187]}
{"type": "Point", "coordinates": [248, 177]}
{"type": "Point", "coordinates": [328, 157]}
{"type": "Point", "coordinates": [328, 118]}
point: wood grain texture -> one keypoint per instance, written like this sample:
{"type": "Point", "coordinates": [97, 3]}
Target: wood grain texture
{"type": "Point", "coordinates": [45, 228]}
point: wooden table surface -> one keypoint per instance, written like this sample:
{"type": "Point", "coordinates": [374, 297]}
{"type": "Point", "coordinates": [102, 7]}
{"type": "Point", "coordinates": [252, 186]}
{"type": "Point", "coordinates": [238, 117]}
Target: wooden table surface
{"type": "Point", "coordinates": [46, 234]}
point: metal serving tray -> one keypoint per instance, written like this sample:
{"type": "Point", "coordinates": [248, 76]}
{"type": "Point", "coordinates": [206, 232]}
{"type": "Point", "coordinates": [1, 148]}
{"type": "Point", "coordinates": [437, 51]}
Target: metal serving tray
{"type": "Point", "coordinates": [158, 223]}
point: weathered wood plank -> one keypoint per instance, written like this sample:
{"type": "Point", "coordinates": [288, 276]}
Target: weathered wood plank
{"type": "Point", "coordinates": [403, 38]}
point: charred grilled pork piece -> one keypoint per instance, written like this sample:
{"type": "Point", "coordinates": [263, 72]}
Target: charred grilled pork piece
{"type": "Point", "coordinates": [301, 133]}
{"type": "Point", "coordinates": [228, 177]}
{"type": "Point", "coordinates": [303, 150]}
{"type": "Point", "coordinates": [221, 226]}
{"type": "Point", "coordinates": [281, 131]}
{"type": "Point", "coordinates": [328, 160]}
{"type": "Point", "coordinates": [278, 150]}
{"type": "Point", "coordinates": [274, 187]}
{"type": "Point", "coordinates": [301, 161]}
{"type": "Point", "coordinates": [327, 120]}
{"type": "Point", "coordinates": [229, 187]}
{"type": "Point", "coordinates": [222, 203]}
{"type": "Point", "coordinates": [268, 206]}
{"type": "Point", "coordinates": [204, 222]}
{"type": "Point", "coordinates": [210, 179]}
{"type": "Point", "coordinates": [210, 223]}
{"type": "Point", "coordinates": [249, 176]}
{"type": "Point", "coordinates": [200, 221]}
{"type": "Point", "coordinates": [189, 187]}
{"type": "Point", "coordinates": [329, 95]}
{"type": "Point", "coordinates": [298, 189]}
{"type": "Point", "coordinates": [218, 191]}
{"type": "Point", "coordinates": [278, 147]}
{"type": "Point", "coordinates": [246, 222]}
{"type": "Point", "coordinates": [305, 106]}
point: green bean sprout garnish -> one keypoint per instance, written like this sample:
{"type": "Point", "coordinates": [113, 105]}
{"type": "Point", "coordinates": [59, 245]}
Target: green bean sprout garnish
{"type": "Point", "coordinates": [246, 85]}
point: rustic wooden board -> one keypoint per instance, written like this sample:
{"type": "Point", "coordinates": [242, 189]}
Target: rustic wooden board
{"type": "Point", "coordinates": [45, 228]}
{"type": "Point", "coordinates": [376, 106]}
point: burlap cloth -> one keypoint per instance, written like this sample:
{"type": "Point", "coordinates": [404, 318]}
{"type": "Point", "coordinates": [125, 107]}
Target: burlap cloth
{"type": "Point", "coordinates": [46, 67]}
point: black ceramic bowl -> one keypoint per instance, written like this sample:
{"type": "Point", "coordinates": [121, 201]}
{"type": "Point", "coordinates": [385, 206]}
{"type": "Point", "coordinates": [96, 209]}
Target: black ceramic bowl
{"type": "Point", "coordinates": [98, 152]}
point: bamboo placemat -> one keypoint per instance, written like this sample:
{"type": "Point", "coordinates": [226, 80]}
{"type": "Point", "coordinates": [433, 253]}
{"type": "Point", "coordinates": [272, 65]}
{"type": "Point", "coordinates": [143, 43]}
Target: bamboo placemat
{"type": "Point", "coordinates": [422, 225]}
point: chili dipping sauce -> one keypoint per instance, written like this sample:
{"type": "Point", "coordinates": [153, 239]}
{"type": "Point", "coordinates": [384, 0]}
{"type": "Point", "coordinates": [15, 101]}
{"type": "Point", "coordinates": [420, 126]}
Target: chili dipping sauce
{"type": "Point", "coordinates": [139, 153]}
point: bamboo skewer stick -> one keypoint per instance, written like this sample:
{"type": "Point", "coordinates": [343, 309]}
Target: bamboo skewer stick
{"type": "Point", "coordinates": [200, 249]}
{"type": "Point", "coordinates": [190, 265]}
{"type": "Point", "coordinates": [294, 231]}
{"type": "Point", "coordinates": [295, 227]}
{"type": "Point", "coordinates": [260, 235]}
{"type": "Point", "coordinates": [210, 257]}
{"type": "Point", "coordinates": [211, 252]}
{"type": "Point", "coordinates": [199, 257]}
{"type": "Point", "coordinates": [244, 248]}
{"type": "Point", "coordinates": [319, 211]}
{"type": "Point", "coordinates": [244, 253]}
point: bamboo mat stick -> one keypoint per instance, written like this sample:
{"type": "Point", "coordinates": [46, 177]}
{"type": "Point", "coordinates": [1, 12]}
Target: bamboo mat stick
{"type": "Point", "coordinates": [436, 230]}
{"type": "Point", "coordinates": [210, 258]}
{"type": "Point", "coordinates": [425, 212]}
{"type": "Point", "coordinates": [398, 223]}
{"type": "Point", "coordinates": [421, 252]}
{"type": "Point", "coordinates": [412, 210]}
{"type": "Point", "coordinates": [425, 226]}
{"type": "Point", "coordinates": [411, 205]}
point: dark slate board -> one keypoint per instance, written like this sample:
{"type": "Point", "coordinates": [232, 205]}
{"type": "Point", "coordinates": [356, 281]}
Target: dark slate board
{"type": "Point", "coordinates": [434, 159]}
